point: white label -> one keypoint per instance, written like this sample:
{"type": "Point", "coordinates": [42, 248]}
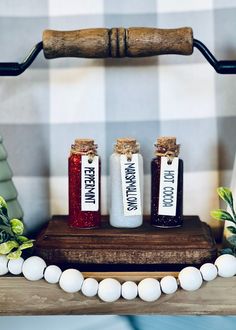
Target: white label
{"type": "Point", "coordinates": [89, 184]}
{"type": "Point", "coordinates": [168, 187]}
{"type": "Point", "coordinates": [130, 185]}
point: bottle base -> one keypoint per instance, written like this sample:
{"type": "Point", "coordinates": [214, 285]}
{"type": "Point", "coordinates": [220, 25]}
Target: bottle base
{"type": "Point", "coordinates": [76, 227]}
{"type": "Point", "coordinates": [166, 227]}
{"type": "Point", "coordinates": [124, 227]}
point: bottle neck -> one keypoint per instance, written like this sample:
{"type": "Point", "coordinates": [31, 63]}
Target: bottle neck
{"type": "Point", "coordinates": [126, 149]}
{"type": "Point", "coordinates": [87, 149]}
{"type": "Point", "coordinates": [169, 152]}
{"type": "Point", "coordinates": [83, 150]}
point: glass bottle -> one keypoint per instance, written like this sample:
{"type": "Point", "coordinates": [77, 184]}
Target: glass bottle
{"type": "Point", "coordinates": [84, 185]}
{"type": "Point", "coordinates": [167, 184]}
{"type": "Point", "coordinates": [126, 194]}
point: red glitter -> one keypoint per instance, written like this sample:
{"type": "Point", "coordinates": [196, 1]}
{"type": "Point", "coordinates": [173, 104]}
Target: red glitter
{"type": "Point", "coordinates": [78, 218]}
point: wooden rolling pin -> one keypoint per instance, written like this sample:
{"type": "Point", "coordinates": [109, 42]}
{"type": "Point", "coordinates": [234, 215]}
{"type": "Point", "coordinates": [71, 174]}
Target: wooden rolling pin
{"type": "Point", "coordinates": [117, 42]}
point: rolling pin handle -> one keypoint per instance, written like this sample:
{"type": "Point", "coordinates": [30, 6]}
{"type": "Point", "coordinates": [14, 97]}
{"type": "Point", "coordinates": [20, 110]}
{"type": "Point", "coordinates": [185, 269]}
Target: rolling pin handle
{"type": "Point", "coordinates": [117, 42]}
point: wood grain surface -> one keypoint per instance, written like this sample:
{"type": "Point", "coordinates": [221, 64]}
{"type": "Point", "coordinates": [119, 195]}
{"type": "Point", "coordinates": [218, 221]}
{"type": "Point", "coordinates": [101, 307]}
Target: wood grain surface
{"type": "Point", "coordinates": [128, 276]}
{"type": "Point", "coordinates": [191, 244]}
{"type": "Point", "coordinates": [21, 297]}
{"type": "Point", "coordinates": [117, 42]}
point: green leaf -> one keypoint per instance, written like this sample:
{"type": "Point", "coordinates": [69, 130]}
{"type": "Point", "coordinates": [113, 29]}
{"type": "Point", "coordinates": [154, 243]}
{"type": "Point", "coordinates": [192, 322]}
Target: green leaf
{"type": "Point", "coordinates": [226, 195]}
{"type": "Point", "coordinates": [14, 255]}
{"type": "Point", "coordinates": [3, 203]}
{"type": "Point", "coordinates": [6, 247]}
{"type": "Point", "coordinates": [7, 229]}
{"type": "Point", "coordinates": [221, 215]}
{"type": "Point", "coordinates": [17, 226]}
{"type": "Point", "coordinates": [4, 219]}
{"type": "Point", "coordinates": [26, 245]}
{"type": "Point", "coordinates": [22, 239]}
{"type": "Point", "coordinates": [231, 229]}
{"type": "Point", "coordinates": [226, 251]}
{"type": "Point", "coordinates": [232, 240]}
{"type": "Point", "coordinates": [3, 206]}
{"type": "Point", "coordinates": [4, 236]}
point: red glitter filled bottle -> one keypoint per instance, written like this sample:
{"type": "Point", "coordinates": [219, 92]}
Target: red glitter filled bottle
{"type": "Point", "coordinates": [84, 185]}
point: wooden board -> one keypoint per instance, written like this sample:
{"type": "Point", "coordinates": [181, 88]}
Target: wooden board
{"type": "Point", "coordinates": [21, 297]}
{"type": "Point", "coordinates": [191, 244]}
{"type": "Point", "coordinates": [129, 276]}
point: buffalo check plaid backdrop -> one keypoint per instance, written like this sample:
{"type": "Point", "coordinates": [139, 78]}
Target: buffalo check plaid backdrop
{"type": "Point", "coordinates": [53, 102]}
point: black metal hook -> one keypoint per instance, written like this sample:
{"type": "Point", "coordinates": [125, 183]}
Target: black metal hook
{"type": "Point", "coordinates": [15, 69]}
{"type": "Point", "coordinates": [223, 67]}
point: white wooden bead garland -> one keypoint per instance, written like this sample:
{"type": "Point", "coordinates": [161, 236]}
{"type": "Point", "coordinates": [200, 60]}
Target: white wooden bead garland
{"type": "Point", "coordinates": [226, 265]}
{"type": "Point", "coordinates": [90, 287]}
{"type": "Point", "coordinates": [209, 272]}
{"type": "Point", "coordinates": [52, 274]}
{"type": "Point", "coordinates": [129, 290]}
{"type": "Point", "coordinates": [169, 284]}
{"type": "Point", "coordinates": [71, 280]}
{"type": "Point", "coordinates": [3, 265]}
{"type": "Point", "coordinates": [15, 266]}
{"type": "Point", "coordinates": [110, 290]}
{"type": "Point", "coordinates": [149, 289]}
{"type": "Point", "coordinates": [190, 278]}
{"type": "Point", "coordinates": [33, 268]}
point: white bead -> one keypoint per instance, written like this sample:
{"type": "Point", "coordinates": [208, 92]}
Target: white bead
{"type": "Point", "coordinates": [90, 287]}
{"type": "Point", "coordinates": [71, 280]}
{"type": "Point", "coordinates": [15, 266]}
{"type": "Point", "coordinates": [109, 290]}
{"type": "Point", "coordinates": [33, 268]}
{"type": "Point", "coordinates": [226, 264]}
{"type": "Point", "coordinates": [149, 289]}
{"type": "Point", "coordinates": [208, 271]}
{"type": "Point", "coordinates": [190, 278]}
{"type": "Point", "coordinates": [3, 265]}
{"type": "Point", "coordinates": [52, 274]}
{"type": "Point", "coordinates": [129, 290]}
{"type": "Point", "coordinates": [168, 284]}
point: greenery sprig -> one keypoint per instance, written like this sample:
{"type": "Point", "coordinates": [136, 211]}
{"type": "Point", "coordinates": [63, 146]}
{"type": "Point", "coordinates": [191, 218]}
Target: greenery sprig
{"type": "Point", "coordinates": [12, 241]}
{"type": "Point", "coordinates": [222, 215]}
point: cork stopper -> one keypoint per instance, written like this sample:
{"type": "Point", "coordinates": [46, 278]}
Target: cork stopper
{"type": "Point", "coordinates": [166, 146]}
{"type": "Point", "coordinates": [84, 142]}
{"type": "Point", "coordinates": [84, 146]}
{"type": "Point", "coordinates": [166, 141]}
{"type": "Point", "coordinates": [126, 146]}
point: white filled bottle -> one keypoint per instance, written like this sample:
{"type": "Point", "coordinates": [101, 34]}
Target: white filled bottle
{"type": "Point", "coordinates": [126, 185]}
